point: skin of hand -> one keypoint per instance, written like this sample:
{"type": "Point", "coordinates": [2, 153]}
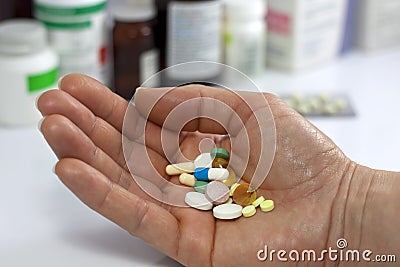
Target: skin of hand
{"type": "Point", "coordinates": [320, 195]}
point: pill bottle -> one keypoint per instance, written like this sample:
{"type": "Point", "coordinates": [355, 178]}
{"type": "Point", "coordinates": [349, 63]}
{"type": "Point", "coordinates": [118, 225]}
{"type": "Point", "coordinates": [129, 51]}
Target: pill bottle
{"type": "Point", "coordinates": [192, 32]}
{"type": "Point", "coordinates": [23, 8]}
{"type": "Point", "coordinates": [135, 56]}
{"type": "Point", "coordinates": [77, 27]}
{"type": "Point", "coordinates": [304, 34]}
{"type": "Point", "coordinates": [27, 67]}
{"type": "Point", "coordinates": [245, 35]}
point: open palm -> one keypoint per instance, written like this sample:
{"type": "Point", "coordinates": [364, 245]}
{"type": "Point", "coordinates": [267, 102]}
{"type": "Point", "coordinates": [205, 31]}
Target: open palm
{"type": "Point", "coordinates": [83, 125]}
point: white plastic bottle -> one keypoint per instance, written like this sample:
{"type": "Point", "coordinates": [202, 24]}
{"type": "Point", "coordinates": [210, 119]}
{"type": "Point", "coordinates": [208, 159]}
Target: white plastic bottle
{"type": "Point", "coordinates": [79, 34]}
{"type": "Point", "coordinates": [27, 67]}
{"type": "Point", "coordinates": [304, 34]}
{"type": "Point", "coordinates": [245, 35]}
{"type": "Point", "coordinates": [193, 34]}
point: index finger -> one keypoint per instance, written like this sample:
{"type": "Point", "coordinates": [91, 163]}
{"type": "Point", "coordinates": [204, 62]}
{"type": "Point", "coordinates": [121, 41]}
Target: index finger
{"type": "Point", "coordinates": [96, 97]}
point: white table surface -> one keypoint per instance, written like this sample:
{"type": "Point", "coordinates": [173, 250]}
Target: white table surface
{"type": "Point", "coordinates": [43, 224]}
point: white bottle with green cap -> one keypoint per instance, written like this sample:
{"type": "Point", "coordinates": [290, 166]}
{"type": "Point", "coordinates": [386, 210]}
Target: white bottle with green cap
{"type": "Point", "coordinates": [78, 32]}
{"type": "Point", "coordinates": [27, 67]}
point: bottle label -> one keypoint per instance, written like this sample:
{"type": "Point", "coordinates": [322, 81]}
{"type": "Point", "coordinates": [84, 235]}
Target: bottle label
{"type": "Point", "coordinates": [194, 32]}
{"type": "Point", "coordinates": [68, 25]}
{"type": "Point", "coordinates": [42, 81]}
{"type": "Point", "coordinates": [69, 11]}
{"type": "Point", "coordinates": [73, 32]}
{"type": "Point", "coordinates": [149, 62]}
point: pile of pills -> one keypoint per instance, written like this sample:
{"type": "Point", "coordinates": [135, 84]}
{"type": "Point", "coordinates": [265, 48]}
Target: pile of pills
{"type": "Point", "coordinates": [216, 187]}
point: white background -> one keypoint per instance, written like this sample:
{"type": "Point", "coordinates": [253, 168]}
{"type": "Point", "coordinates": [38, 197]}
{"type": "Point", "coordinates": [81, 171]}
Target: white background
{"type": "Point", "coordinates": [43, 224]}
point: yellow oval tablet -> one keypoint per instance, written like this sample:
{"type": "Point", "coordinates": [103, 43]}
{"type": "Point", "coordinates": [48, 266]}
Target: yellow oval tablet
{"type": "Point", "coordinates": [267, 205]}
{"type": "Point", "coordinates": [258, 201]}
{"type": "Point", "coordinates": [249, 211]}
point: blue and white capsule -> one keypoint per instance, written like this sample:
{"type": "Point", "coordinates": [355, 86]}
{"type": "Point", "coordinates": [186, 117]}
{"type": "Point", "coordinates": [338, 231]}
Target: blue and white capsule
{"type": "Point", "coordinates": [211, 174]}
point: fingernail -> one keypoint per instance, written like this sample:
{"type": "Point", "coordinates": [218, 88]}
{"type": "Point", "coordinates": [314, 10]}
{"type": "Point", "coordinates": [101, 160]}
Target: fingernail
{"type": "Point", "coordinates": [60, 81]}
{"type": "Point", "coordinates": [138, 89]}
{"type": "Point", "coordinates": [54, 168]}
{"type": "Point", "coordinates": [136, 92]}
{"type": "Point", "coordinates": [40, 124]}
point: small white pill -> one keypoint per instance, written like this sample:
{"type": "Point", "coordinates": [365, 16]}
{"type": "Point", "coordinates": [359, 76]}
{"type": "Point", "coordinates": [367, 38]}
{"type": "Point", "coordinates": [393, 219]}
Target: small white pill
{"type": "Point", "coordinates": [179, 168]}
{"type": "Point", "coordinates": [324, 97]}
{"type": "Point", "coordinates": [203, 160]}
{"type": "Point", "coordinates": [304, 109]}
{"type": "Point", "coordinates": [198, 201]}
{"type": "Point", "coordinates": [341, 104]}
{"type": "Point", "coordinates": [330, 110]}
{"type": "Point", "coordinates": [315, 104]}
{"type": "Point", "coordinates": [227, 211]}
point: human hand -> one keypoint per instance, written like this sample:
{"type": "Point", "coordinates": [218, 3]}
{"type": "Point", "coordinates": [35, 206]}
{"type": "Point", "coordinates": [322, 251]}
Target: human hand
{"type": "Point", "coordinates": [83, 126]}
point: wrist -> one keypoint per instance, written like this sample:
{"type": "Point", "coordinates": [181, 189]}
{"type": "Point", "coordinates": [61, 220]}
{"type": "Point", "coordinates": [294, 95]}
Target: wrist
{"type": "Point", "coordinates": [365, 211]}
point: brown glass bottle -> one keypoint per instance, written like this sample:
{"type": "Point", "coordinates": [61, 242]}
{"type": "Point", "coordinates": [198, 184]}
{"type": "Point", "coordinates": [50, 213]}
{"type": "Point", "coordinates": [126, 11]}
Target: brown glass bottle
{"type": "Point", "coordinates": [135, 57]}
{"type": "Point", "coordinates": [23, 8]}
{"type": "Point", "coordinates": [15, 9]}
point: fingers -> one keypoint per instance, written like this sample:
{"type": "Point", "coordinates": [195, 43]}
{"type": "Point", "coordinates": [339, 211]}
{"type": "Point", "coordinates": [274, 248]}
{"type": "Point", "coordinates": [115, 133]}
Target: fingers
{"type": "Point", "coordinates": [75, 144]}
{"type": "Point", "coordinates": [198, 108]}
{"type": "Point", "coordinates": [96, 97]}
{"type": "Point", "coordinates": [67, 140]}
{"type": "Point", "coordinates": [141, 218]}
{"type": "Point", "coordinates": [102, 133]}
{"type": "Point", "coordinates": [98, 130]}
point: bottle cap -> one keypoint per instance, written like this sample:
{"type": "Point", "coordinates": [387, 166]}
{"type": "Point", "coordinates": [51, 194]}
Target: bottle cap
{"type": "Point", "coordinates": [22, 36]}
{"type": "Point", "coordinates": [244, 10]}
{"type": "Point", "coordinates": [134, 10]}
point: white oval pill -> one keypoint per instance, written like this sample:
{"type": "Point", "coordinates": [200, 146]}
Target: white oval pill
{"type": "Point", "coordinates": [218, 174]}
{"type": "Point", "coordinates": [198, 201]}
{"type": "Point", "coordinates": [227, 211]}
{"type": "Point", "coordinates": [203, 160]}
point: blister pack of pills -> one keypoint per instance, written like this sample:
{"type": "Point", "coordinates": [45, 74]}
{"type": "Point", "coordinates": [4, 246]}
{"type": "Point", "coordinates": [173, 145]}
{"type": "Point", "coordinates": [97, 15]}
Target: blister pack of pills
{"type": "Point", "coordinates": [320, 104]}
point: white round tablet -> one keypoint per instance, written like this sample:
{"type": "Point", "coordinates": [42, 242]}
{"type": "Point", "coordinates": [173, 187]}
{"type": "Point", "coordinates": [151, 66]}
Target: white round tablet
{"type": "Point", "coordinates": [227, 211]}
{"type": "Point", "coordinates": [198, 201]}
{"type": "Point", "coordinates": [203, 160]}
